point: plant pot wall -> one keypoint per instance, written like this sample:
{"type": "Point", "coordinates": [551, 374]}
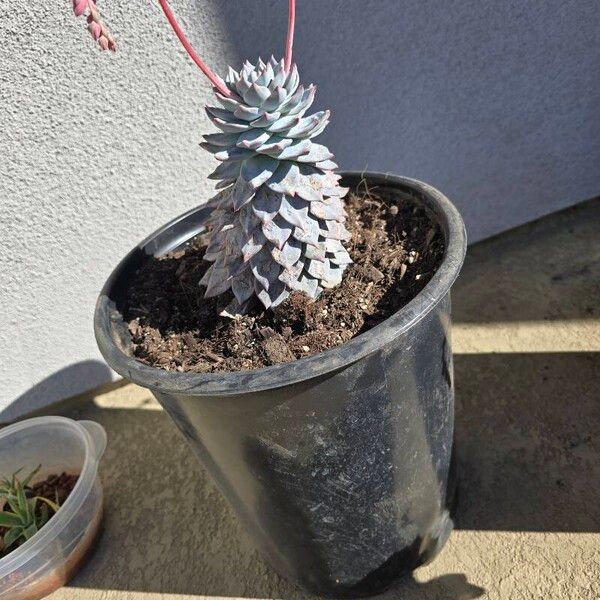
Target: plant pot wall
{"type": "Point", "coordinates": [339, 465]}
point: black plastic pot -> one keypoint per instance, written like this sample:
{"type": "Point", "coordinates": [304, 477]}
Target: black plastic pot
{"type": "Point", "coordinates": [338, 465]}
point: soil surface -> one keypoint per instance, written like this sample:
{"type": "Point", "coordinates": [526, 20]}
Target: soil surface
{"type": "Point", "coordinates": [55, 488]}
{"type": "Point", "coordinates": [396, 248]}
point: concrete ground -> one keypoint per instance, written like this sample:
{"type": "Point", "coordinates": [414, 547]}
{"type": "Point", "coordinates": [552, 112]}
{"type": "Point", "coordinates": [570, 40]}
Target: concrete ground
{"type": "Point", "coordinates": [527, 366]}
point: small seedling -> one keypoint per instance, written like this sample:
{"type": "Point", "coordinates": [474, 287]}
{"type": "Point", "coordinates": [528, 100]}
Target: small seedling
{"type": "Point", "coordinates": [27, 514]}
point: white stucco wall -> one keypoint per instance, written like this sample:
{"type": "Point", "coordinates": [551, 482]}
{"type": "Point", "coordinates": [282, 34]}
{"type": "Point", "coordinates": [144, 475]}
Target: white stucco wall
{"type": "Point", "coordinates": [497, 104]}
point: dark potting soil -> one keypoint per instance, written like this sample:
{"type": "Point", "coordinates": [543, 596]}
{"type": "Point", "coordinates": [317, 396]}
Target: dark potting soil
{"type": "Point", "coordinates": [55, 488]}
{"type": "Point", "coordinates": [396, 248]}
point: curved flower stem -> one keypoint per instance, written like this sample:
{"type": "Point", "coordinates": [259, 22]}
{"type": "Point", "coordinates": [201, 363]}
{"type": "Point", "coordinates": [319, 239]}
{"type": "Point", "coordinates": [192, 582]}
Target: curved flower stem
{"type": "Point", "coordinates": [289, 44]}
{"type": "Point", "coordinates": [217, 83]}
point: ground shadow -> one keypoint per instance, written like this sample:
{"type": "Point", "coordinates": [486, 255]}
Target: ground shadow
{"type": "Point", "coordinates": [546, 270]}
{"type": "Point", "coordinates": [527, 433]}
{"type": "Point", "coordinates": [527, 436]}
{"type": "Point", "coordinates": [67, 382]}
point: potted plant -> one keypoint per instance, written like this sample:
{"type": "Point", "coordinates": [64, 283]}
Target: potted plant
{"type": "Point", "coordinates": [298, 339]}
{"type": "Point", "coordinates": [50, 517]}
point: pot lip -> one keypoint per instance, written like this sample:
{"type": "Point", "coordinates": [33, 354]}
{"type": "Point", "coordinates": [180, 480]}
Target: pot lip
{"type": "Point", "coordinates": [326, 362]}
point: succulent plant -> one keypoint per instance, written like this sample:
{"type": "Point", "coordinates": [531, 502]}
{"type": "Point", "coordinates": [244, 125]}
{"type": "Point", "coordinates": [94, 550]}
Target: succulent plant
{"type": "Point", "coordinates": [27, 515]}
{"type": "Point", "coordinates": [278, 219]}
{"type": "Point", "coordinates": [277, 224]}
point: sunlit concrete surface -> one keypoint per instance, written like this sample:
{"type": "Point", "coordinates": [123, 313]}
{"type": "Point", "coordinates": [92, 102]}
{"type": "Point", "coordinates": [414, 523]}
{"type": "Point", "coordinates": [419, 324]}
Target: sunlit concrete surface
{"type": "Point", "coordinates": [527, 373]}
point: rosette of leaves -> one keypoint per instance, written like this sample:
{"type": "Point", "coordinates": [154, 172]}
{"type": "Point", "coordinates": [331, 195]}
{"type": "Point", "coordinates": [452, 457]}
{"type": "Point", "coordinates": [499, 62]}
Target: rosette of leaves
{"type": "Point", "coordinates": [22, 514]}
{"type": "Point", "coordinates": [277, 224]}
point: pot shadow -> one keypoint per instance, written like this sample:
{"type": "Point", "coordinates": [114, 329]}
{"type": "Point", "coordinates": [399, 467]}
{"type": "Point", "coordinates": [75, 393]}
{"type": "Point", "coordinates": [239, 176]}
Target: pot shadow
{"type": "Point", "coordinates": [542, 271]}
{"type": "Point", "coordinates": [527, 434]}
{"type": "Point", "coordinates": [64, 383]}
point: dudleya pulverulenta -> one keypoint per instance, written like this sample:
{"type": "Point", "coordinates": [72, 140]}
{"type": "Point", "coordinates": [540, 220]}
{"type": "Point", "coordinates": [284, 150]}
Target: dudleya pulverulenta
{"type": "Point", "coordinates": [278, 222]}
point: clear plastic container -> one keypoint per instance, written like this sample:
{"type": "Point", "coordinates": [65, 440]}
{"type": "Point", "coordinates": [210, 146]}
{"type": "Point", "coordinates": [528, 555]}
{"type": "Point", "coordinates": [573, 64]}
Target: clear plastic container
{"type": "Point", "coordinates": [51, 557]}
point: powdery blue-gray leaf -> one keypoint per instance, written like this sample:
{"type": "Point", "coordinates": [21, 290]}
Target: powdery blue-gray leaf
{"type": "Point", "coordinates": [306, 125]}
{"type": "Point", "coordinates": [242, 85]}
{"type": "Point", "coordinates": [258, 170]}
{"type": "Point", "coordinates": [256, 95]}
{"type": "Point", "coordinates": [341, 258]}
{"type": "Point", "coordinates": [308, 97]}
{"type": "Point", "coordinates": [248, 221]}
{"type": "Point", "coordinates": [295, 151]}
{"type": "Point", "coordinates": [326, 165]}
{"type": "Point", "coordinates": [326, 211]}
{"type": "Point", "coordinates": [265, 204]}
{"type": "Point", "coordinates": [229, 104]}
{"type": "Point", "coordinates": [225, 183]}
{"type": "Point", "coordinates": [224, 154]}
{"type": "Point", "coordinates": [333, 246]}
{"type": "Point", "coordinates": [243, 286]}
{"type": "Point", "coordinates": [280, 77]}
{"type": "Point", "coordinates": [253, 139]}
{"type": "Point", "coordinates": [266, 76]}
{"type": "Point", "coordinates": [289, 255]}
{"type": "Point", "coordinates": [254, 244]}
{"type": "Point", "coordinates": [264, 268]}
{"type": "Point", "coordinates": [293, 101]}
{"type": "Point", "coordinates": [309, 233]}
{"type": "Point", "coordinates": [318, 268]}
{"type": "Point", "coordinates": [306, 191]}
{"type": "Point", "coordinates": [334, 277]}
{"type": "Point", "coordinates": [277, 231]}
{"type": "Point", "coordinates": [241, 193]}
{"type": "Point", "coordinates": [237, 126]}
{"type": "Point", "coordinates": [316, 153]}
{"type": "Point", "coordinates": [293, 210]}
{"type": "Point", "coordinates": [309, 285]}
{"type": "Point", "coordinates": [221, 139]}
{"type": "Point", "coordinates": [218, 283]}
{"type": "Point", "coordinates": [275, 99]}
{"type": "Point", "coordinates": [336, 230]}
{"type": "Point", "coordinates": [286, 179]}
{"type": "Point", "coordinates": [283, 124]}
{"type": "Point", "coordinates": [227, 170]}
{"type": "Point", "coordinates": [232, 76]}
{"type": "Point", "coordinates": [248, 113]}
{"type": "Point", "coordinates": [275, 145]}
{"type": "Point", "coordinates": [221, 114]}
{"type": "Point", "coordinates": [291, 275]}
{"type": "Point", "coordinates": [315, 252]}
{"type": "Point", "coordinates": [292, 81]}
{"type": "Point", "coordinates": [276, 294]}
{"type": "Point", "coordinates": [265, 119]}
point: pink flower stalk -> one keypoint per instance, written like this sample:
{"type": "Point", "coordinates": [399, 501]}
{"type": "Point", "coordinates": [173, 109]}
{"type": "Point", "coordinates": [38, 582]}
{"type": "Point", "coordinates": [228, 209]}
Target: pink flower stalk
{"type": "Point", "coordinates": [217, 82]}
{"type": "Point", "coordinates": [96, 27]}
{"type": "Point", "coordinates": [289, 43]}
{"type": "Point", "coordinates": [100, 33]}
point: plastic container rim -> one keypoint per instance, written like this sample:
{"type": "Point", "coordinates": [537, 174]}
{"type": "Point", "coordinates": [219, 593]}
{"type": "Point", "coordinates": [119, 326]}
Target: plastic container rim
{"type": "Point", "coordinates": [72, 504]}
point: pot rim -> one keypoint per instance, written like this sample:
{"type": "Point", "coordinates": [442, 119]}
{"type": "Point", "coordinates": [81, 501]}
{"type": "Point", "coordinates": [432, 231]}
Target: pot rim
{"type": "Point", "coordinates": [321, 364]}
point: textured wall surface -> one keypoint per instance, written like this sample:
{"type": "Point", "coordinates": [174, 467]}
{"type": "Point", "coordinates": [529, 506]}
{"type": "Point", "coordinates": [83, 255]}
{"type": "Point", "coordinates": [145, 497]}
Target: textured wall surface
{"type": "Point", "coordinates": [497, 104]}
